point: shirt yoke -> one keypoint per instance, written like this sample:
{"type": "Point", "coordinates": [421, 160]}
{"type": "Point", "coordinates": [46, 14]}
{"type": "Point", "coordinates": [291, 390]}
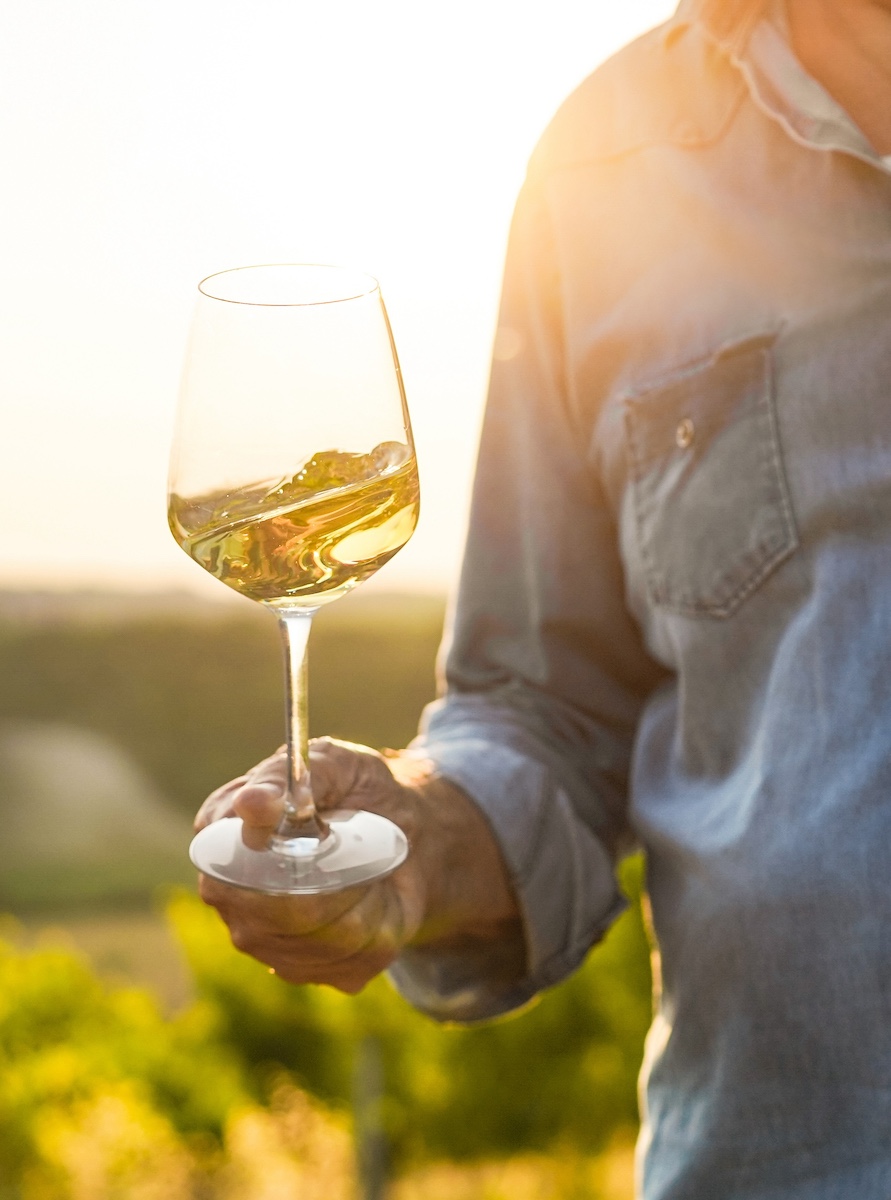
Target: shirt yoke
{"type": "Point", "coordinates": [673, 86]}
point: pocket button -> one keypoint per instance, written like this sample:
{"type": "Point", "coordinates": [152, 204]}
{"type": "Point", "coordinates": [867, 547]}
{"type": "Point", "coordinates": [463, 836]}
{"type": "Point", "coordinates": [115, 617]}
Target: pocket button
{"type": "Point", "coordinates": [685, 433]}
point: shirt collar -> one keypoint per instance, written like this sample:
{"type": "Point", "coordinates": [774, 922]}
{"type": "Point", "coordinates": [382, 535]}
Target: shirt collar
{"type": "Point", "coordinates": [754, 34]}
{"type": "Point", "coordinates": [781, 85]}
{"type": "Point", "coordinates": [728, 21]}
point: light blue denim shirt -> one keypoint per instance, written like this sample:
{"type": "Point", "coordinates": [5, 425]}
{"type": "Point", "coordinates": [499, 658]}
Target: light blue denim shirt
{"type": "Point", "coordinates": [674, 623]}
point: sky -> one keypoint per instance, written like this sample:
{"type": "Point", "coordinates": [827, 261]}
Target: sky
{"type": "Point", "coordinates": [148, 143]}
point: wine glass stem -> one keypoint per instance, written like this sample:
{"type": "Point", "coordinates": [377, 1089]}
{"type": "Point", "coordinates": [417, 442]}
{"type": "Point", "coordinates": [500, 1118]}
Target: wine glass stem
{"type": "Point", "coordinates": [301, 818]}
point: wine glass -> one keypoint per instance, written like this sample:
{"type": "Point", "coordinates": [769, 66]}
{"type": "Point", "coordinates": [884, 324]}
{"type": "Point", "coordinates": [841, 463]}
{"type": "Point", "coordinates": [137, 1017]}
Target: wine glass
{"type": "Point", "coordinates": [293, 478]}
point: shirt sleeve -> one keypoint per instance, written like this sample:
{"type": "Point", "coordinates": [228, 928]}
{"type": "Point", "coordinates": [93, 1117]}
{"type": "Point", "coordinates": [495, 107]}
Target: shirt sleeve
{"type": "Point", "coordinates": [545, 671]}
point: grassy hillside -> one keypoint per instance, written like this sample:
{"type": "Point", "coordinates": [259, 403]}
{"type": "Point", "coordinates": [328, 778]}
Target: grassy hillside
{"type": "Point", "coordinates": [195, 698]}
{"type": "Point", "coordinates": [116, 721]}
{"type": "Point", "coordinates": [82, 825]}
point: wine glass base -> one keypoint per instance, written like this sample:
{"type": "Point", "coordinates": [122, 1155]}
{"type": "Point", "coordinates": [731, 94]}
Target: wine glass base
{"type": "Point", "coordinates": [362, 846]}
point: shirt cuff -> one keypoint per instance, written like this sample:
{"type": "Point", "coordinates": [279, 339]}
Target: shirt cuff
{"type": "Point", "coordinates": [561, 873]}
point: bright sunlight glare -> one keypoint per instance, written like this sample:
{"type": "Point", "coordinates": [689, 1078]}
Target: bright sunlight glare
{"type": "Point", "coordinates": [151, 143]}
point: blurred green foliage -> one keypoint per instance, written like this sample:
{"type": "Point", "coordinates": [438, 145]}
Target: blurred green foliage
{"type": "Point", "coordinates": [561, 1074]}
{"type": "Point", "coordinates": [65, 1041]}
{"type": "Point", "coordinates": [194, 702]}
{"type": "Point", "coordinates": [103, 1098]}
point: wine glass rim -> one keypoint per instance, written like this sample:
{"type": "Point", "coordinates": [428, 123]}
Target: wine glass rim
{"type": "Point", "coordinates": [354, 293]}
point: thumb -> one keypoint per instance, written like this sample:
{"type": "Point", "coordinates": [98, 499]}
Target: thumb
{"type": "Point", "coordinates": [260, 801]}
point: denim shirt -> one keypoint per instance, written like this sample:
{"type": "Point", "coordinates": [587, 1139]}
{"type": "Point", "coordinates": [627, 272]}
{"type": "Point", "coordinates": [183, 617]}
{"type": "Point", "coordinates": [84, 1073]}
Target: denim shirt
{"type": "Point", "coordinates": [673, 628]}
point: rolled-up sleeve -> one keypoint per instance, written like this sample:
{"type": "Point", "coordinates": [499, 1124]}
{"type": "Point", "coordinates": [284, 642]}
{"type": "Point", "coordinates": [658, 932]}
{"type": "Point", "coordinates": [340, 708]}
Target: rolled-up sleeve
{"type": "Point", "coordinates": [545, 674]}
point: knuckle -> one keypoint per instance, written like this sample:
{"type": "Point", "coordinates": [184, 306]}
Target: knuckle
{"type": "Point", "coordinates": [313, 914]}
{"type": "Point", "coordinates": [350, 987]}
{"type": "Point", "coordinates": [211, 892]}
{"type": "Point", "coordinates": [273, 767]}
{"type": "Point", "coordinates": [218, 804]}
{"type": "Point", "coordinates": [242, 938]}
{"type": "Point", "coordinates": [360, 972]}
{"type": "Point", "coordinates": [354, 931]}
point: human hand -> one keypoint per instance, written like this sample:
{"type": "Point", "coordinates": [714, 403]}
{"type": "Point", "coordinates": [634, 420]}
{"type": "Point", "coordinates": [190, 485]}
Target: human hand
{"type": "Point", "coordinates": [452, 886]}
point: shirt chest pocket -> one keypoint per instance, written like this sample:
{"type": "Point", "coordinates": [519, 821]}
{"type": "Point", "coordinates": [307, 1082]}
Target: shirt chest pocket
{"type": "Point", "coordinates": [710, 500]}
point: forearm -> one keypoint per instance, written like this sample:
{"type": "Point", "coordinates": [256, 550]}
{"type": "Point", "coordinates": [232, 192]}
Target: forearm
{"type": "Point", "coordinates": [469, 892]}
{"type": "Point", "coordinates": [560, 870]}
{"type": "Point", "coordinates": [471, 938]}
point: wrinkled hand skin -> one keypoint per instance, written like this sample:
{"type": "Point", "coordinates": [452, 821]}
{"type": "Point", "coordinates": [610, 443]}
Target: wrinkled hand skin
{"type": "Point", "coordinates": [453, 888]}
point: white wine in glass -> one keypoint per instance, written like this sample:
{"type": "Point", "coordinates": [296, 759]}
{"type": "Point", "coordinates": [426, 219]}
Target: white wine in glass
{"type": "Point", "coordinates": [293, 478]}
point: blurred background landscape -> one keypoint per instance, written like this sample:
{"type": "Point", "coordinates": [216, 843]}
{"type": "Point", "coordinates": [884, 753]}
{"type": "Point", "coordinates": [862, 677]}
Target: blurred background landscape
{"type": "Point", "coordinates": [146, 145]}
{"type": "Point", "coordinates": [140, 1055]}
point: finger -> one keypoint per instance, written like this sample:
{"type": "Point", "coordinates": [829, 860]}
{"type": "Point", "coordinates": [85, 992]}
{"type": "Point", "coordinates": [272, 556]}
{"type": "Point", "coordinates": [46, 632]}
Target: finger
{"type": "Point", "coordinates": [254, 797]}
{"type": "Point", "coordinates": [261, 801]}
{"type": "Point", "coordinates": [333, 770]}
{"type": "Point", "coordinates": [256, 837]}
{"type": "Point", "coordinates": [350, 978]}
{"type": "Point", "coordinates": [342, 963]}
{"type": "Point", "coordinates": [319, 932]}
{"type": "Point", "coordinates": [273, 769]}
{"type": "Point", "coordinates": [259, 915]}
{"type": "Point", "coordinates": [347, 775]}
{"type": "Point", "coordinates": [260, 805]}
{"type": "Point", "coordinates": [219, 803]}
{"type": "Point", "coordinates": [346, 954]}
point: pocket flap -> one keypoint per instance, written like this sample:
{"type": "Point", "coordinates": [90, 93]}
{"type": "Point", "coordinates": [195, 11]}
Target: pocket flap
{"type": "Point", "coordinates": [710, 495]}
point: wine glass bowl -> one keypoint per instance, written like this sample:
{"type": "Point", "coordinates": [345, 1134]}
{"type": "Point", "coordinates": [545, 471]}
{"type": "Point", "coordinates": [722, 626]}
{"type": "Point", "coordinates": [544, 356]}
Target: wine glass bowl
{"type": "Point", "coordinates": [293, 479]}
{"type": "Point", "coordinates": [310, 537]}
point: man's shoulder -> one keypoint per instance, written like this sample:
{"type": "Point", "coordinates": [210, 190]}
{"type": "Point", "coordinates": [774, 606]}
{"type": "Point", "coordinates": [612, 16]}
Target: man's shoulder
{"type": "Point", "coordinates": [671, 86]}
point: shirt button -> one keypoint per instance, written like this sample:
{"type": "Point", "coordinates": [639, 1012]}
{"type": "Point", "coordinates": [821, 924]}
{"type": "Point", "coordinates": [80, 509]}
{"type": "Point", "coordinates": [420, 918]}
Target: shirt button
{"type": "Point", "coordinates": [685, 433]}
